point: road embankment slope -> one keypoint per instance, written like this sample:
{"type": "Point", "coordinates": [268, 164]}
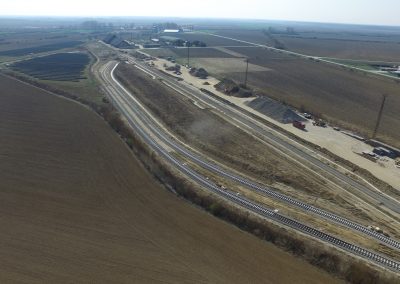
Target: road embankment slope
{"type": "Point", "coordinates": [76, 206]}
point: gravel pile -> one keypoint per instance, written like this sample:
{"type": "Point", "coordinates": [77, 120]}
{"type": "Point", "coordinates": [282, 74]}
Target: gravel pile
{"type": "Point", "coordinates": [275, 110]}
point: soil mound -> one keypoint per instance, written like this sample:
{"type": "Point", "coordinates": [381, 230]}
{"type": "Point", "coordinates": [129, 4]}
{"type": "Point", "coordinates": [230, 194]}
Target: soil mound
{"type": "Point", "coordinates": [231, 88]}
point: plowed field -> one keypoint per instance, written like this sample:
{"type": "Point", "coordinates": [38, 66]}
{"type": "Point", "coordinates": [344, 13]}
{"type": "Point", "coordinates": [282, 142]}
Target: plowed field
{"type": "Point", "coordinates": [77, 207]}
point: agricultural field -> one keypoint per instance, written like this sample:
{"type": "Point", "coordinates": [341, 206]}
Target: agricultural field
{"type": "Point", "coordinates": [218, 66]}
{"type": "Point", "coordinates": [256, 36]}
{"type": "Point", "coordinates": [349, 98]}
{"type": "Point", "coordinates": [201, 52]}
{"type": "Point", "coordinates": [339, 44]}
{"type": "Point", "coordinates": [344, 49]}
{"type": "Point", "coordinates": [193, 52]}
{"type": "Point", "coordinates": [210, 40]}
{"type": "Point", "coordinates": [160, 52]}
{"type": "Point", "coordinates": [77, 206]}
{"type": "Point", "coordinates": [40, 48]}
{"type": "Point", "coordinates": [55, 67]}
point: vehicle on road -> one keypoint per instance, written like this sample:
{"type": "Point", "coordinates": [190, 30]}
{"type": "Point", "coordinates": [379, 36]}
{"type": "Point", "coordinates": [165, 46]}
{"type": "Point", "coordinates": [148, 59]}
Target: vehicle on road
{"type": "Point", "coordinates": [298, 124]}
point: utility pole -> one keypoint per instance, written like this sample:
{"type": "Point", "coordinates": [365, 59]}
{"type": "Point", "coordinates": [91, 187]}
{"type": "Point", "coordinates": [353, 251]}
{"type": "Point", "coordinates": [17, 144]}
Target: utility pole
{"type": "Point", "coordinates": [378, 121]}
{"type": "Point", "coordinates": [188, 54]}
{"type": "Point", "coordinates": [247, 70]}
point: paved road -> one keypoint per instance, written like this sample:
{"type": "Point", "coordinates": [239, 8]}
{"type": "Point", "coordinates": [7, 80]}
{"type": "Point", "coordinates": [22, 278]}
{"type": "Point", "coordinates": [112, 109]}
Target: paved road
{"type": "Point", "coordinates": [135, 112]}
{"type": "Point", "coordinates": [261, 131]}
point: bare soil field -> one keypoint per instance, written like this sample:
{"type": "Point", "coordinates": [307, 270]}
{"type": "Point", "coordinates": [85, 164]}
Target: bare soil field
{"type": "Point", "coordinates": [326, 45]}
{"type": "Point", "coordinates": [159, 52]}
{"type": "Point", "coordinates": [349, 98]}
{"type": "Point", "coordinates": [76, 206]}
{"type": "Point", "coordinates": [194, 52]}
{"type": "Point", "coordinates": [220, 65]}
{"type": "Point", "coordinates": [256, 36]}
{"type": "Point", "coordinates": [201, 52]}
{"type": "Point", "coordinates": [344, 49]}
{"type": "Point", "coordinates": [210, 40]}
{"type": "Point", "coordinates": [18, 38]}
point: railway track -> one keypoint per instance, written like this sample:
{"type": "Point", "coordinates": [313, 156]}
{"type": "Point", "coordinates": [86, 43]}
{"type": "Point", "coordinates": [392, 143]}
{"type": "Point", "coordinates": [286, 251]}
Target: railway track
{"type": "Point", "coordinates": [267, 191]}
{"type": "Point", "coordinates": [258, 129]}
{"type": "Point", "coordinates": [133, 113]}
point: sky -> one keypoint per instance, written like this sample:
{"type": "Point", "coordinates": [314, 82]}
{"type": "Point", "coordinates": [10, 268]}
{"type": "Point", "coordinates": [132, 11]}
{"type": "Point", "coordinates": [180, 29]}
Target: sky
{"type": "Point", "coordinates": [378, 12]}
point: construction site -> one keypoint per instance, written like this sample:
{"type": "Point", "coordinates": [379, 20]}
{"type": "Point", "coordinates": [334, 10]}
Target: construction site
{"type": "Point", "coordinates": [288, 148]}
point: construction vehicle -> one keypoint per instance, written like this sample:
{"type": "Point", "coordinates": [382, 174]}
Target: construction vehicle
{"type": "Point", "coordinates": [319, 122]}
{"type": "Point", "coordinates": [307, 115]}
{"type": "Point", "coordinates": [378, 230]}
{"type": "Point", "coordinates": [298, 124]}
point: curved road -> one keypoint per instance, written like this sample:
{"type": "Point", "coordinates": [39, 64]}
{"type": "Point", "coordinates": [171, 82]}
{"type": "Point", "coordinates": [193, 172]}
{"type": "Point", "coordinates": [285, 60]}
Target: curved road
{"type": "Point", "coordinates": [135, 113]}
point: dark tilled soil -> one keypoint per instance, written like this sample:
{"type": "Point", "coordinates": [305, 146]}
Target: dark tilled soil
{"type": "Point", "coordinates": [77, 207]}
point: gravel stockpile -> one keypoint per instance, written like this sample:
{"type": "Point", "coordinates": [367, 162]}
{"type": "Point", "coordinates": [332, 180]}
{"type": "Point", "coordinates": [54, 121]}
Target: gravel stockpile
{"type": "Point", "coordinates": [275, 110]}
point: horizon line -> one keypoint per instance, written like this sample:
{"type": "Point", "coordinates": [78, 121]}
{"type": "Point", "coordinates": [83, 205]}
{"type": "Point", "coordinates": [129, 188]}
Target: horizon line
{"type": "Point", "coordinates": [199, 18]}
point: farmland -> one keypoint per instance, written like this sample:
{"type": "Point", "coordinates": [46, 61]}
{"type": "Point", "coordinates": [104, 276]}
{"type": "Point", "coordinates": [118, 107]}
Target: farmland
{"type": "Point", "coordinates": [183, 52]}
{"type": "Point", "coordinates": [256, 36]}
{"type": "Point", "coordinates": [40, 48]}
{"type": "Point", "coordinates": [57, 67]}
{"type": "Point", "coordinates": [345, 49]}
{"type": "Point", "coordinates": [337, 44]}
{"type": "Point", "coordinates": [201, 52]}
{"type": "Point", "coordinates": [210, 40]}
{"type": "Point", "coordinates": [76, 206]}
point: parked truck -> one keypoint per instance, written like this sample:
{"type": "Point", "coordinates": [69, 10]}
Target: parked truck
{"type": "Point", "coordinates": [299, 125]}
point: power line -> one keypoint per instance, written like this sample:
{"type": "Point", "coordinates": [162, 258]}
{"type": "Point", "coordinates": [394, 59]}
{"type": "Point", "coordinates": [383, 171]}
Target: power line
{"type": "Point", "coordinates": [188, 53]}
{"type": "Point", "coordinates": [247, 70]}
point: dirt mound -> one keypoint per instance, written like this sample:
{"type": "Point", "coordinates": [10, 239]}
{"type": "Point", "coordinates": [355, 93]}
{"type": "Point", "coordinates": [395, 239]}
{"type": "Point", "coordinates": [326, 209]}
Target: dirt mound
{"type": "Point", "coordinates": [275, 110]}
{"type": "Point", "coordinates": [200, 73]}
{"type": "Point", "coordinates": [231, 88]}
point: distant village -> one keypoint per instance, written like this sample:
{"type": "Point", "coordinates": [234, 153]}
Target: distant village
{"type": "Point", "coordinates": [159, 35]}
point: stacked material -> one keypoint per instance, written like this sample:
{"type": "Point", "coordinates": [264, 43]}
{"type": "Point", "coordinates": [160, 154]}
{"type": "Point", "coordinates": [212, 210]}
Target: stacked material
{"type": "Point", "coordinates": [275, 110]}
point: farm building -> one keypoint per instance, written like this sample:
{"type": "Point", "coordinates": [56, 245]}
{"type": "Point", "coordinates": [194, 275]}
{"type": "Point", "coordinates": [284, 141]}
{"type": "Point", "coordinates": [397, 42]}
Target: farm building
{"type": "Point", "coordinates": [172, 31]}
{"type": "Point", "coordinates": [171, 40]}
